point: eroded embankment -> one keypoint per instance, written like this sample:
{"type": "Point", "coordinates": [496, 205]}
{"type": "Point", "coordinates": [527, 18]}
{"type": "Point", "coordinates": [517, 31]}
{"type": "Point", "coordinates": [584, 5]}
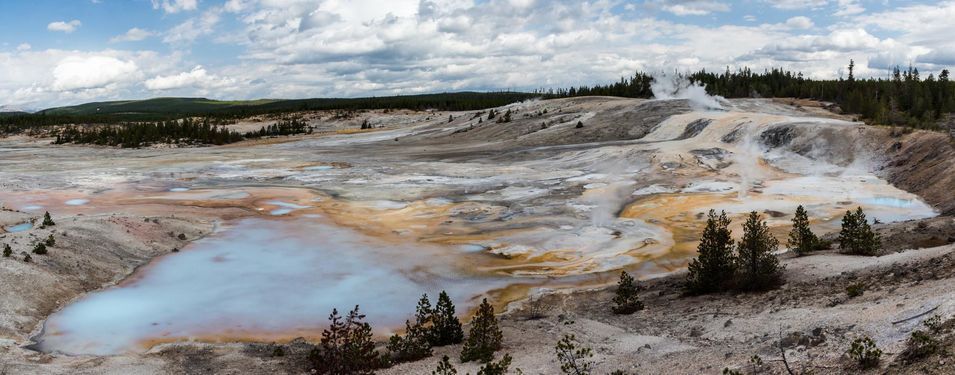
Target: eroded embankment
{"type": "Point", "coordinates": [923, 163]}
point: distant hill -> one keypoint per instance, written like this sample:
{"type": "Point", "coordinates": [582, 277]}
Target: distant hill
{"type": "Point", "coordinates": [153, 106]}
{"type": "Point", "coordinates": [203, 106]}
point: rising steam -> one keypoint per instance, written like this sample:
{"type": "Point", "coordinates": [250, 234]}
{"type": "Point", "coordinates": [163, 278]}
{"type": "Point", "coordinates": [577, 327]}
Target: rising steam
{"type": "Point", "coordinates": [677, 86]}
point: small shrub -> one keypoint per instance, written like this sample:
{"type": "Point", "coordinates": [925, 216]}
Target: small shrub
{"type": "Point", "coordinates": [573, 359]}
{"type": "Point", "coordinates": [934, 324]}
{"type": "Point", "coordinates": [496, 368]}
{"type": "Point", "coordinates": [822, 244]}
{"type": "Point", "coordinates": [864, 352]}
{"type": "Point", "coordinates": [729, 371]}
{"type": "Point", "coordinates": [855, 290]}
{"type": "Point", "coordinates": [412, 346]}
{"type": "Point", "coordinates": [39, 248]}
{"type": "Point", "coordinates": [182, 236]}
{"type": "Point", "coordinates": [7, 251]}
{"type": "Point", "coordinates": [278, 351]}
{"type": "Point", "coordinates": [47, 220]}
{"type": "Point", "coordinates": [50, 241]}
{"type": "Point", "coordinates": [445, 367]}
{"type": "Point", "coordinates": [580, 124]}
{"type": "Point", "coordinates": [27, 258]}
{"type": "Point", "coordinates": [625, 301]}
{"type": "Point", "coordinates": [920, 344]}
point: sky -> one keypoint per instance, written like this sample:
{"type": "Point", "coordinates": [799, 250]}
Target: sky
{"type": "Point", "coordinates": [62, 52]}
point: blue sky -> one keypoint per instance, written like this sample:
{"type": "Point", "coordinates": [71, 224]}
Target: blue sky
{"type": "Point", "coordinates": [66, 52]}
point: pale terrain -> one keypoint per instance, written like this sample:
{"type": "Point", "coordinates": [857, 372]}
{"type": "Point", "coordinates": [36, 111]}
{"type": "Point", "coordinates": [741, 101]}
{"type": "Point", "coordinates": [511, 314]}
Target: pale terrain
{"type": "Point", "coordinates": [535, 214]}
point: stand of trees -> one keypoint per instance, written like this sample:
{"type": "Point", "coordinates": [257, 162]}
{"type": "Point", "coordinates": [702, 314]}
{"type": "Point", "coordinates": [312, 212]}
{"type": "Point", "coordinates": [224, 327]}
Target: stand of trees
{"type": "Point", "coordinates": [185, 131]}
{"type": "Point", "coordinates": [289, 126]}
{"type": "Point", "coordinates": [717, 268]}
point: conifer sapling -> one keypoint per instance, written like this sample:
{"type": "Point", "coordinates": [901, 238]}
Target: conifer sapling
{"type": "Point", "coordinates": [484, 338]}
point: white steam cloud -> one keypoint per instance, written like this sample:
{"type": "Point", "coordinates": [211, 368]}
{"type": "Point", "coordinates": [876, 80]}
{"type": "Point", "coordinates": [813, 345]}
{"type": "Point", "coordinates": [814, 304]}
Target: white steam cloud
{"type": "Point", "coordinates": [676, 86]}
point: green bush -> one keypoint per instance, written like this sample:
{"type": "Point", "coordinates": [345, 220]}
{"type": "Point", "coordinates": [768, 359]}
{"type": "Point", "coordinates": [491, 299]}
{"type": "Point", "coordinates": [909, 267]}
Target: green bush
{"type": "Point", "coordinates": [855, 290]}
{"type": "Point", "coordinates": [496, 368]}
{"type": "Point", "coordinates": [856, 236]}
{"type": "Point", "coordinates": [573, 359]}
{"type": "Point", "coordinates": [864, 352]}
{"type": "Point", "coordinates": [39, 248]}
{"type": "Point", "coordinates": [7, 251]}
{"type": "Point", "coordinates": [919, 345]}
{"type": "Point", "coordinates": [47, 220]}
{"type": "Point", "coordinates": [625, 301]}
{"type": "Point", "coordinates": [445, 367]}
{"type": "Point", "coordinates": [412, 346]}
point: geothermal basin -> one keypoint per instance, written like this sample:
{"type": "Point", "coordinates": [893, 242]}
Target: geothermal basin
{"type": "Point", "coordinates": [508, 217]}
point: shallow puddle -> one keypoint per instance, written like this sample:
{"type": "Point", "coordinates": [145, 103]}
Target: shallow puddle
{"type": "Point", "coordinates": [19, 227]}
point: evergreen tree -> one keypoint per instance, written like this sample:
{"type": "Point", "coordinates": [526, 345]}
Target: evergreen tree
{"type": "Point", "coordinates": [445, 326]}
{"type": "Point", "coordinates": [756, 262]}
{"type": "Point", "coordinates": [445, 367]}
{"type": "Point", "coordinates": [573, 359]}
{"type": "Point", "coordinates": [50, 241]}
{"type": "Point", "coordinates": [412, 347]}
{"type": "Point", "coordinates": [7, 251]}
{"type": "Point", "coordinates": [27, 258]}
{"type": "Point", "coordinates": [484, 338]}
{"type": "Point", "coordinates": [416, 344]}
{"type": "Point", "coordinates": [346, 347]}
{"type": "Point", "coordinates": [580, 124]}
{"type": "Point", "coordinates": [625, 301]}
{"type": "Point", "coordinates": [47, 220]}
{"type": "Point", "coordinates": [856, 236]}
{"type": "Point", "coordinates": [713, 268]}
{"type": "Point", "coordinates": [39, 248]}
{"type": "Point", "coordinates": [424, 312]}
{"type": "Point", "coordinates": [801, 238]}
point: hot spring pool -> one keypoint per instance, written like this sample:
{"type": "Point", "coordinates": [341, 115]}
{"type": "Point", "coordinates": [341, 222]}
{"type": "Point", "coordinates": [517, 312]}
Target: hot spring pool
{"type": "Point", "coordinates": [260, 280]}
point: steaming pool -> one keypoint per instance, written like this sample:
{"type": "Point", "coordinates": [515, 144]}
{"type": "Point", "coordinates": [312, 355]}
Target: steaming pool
{"type": "Point", "coordinates": [260, 279]}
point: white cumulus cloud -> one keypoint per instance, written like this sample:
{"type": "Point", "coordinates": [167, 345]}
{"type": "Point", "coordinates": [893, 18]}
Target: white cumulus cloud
{"type": "Point", "coordinates": [799, 22]}
{"type": "Point", "coordinates": [64, 26]}
{"type": "Point", "coordinates": [198, 77]}
{"type": "Point", "coordinates": [76, 73]}
{"type": "Point", "coordinates": [132, 35]}
{"type": "Point", "coordinates": [175, 6]}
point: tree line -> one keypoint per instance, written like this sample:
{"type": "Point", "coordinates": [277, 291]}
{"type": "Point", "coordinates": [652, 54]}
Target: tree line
{"type": "Point", "coordinates": [185, 131]}
{"type": "Point", "coordinates": [905, 98]}
{"type": "Point", "coordinates": [287, 126]}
